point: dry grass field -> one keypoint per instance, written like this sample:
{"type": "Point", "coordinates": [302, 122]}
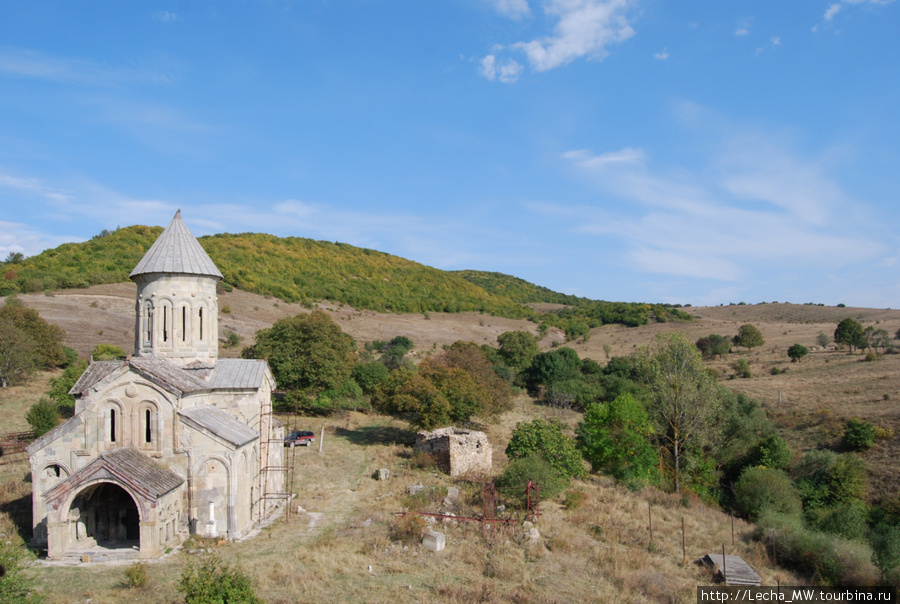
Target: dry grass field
{"type": "Point", "coordinates": [599, 551]}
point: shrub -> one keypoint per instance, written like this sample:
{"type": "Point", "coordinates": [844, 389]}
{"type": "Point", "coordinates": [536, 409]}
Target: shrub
{"type": "Point", "coordinates": [797, 352]}
{"type": "Point", "coordinates": [136, 575]}
{"type": "Point", "coordinates": [535, 469]}
{"type": "Point", "coordinates": [770, 452]}
{"type": "Point", "coordinates": [574, 499]}
{"type": "Point", "coordinates": [761, 489]}
{"type": "Point", "coordinates": [539, 437]}
{"type": "Point", "coordinates": [847, 520]}
{"type": "Point", "coordinates": [742, 368]}
{"type": "Point", "coordinates": [821, 556]}
{"type": "Point", "coordinates": [43, 416]}
{"type": "Point", "coordinates": [211, 581]}
{"type": "Point", "coordinates": [615, 437]}
{"type": "Point", "coordinates": [407, 529]}
{"type": "Point", "coordinates": [107, 352]}
{"type": "Point", "coordinates": [16, 582]}
{"type": "Point", "coordinates": [885, 542]}
{"type": "Point", "coordinates": [859, 435]}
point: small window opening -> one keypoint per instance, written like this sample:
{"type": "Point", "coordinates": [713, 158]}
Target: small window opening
{"type": "Point", "coordinates": [148, 332]}
{"type": "Point", "coordinates": [112, 425]}
{"type": "Point", "coordinates": [184, 323]}
{"type": "Point", "coordinates": [201, 323]}
{"type": "Point", "coordinates": [165, 324]}
{"type": "Point", "coordinates": [56, 470]}
{"type": "Point", "coordinates": [147, 431]}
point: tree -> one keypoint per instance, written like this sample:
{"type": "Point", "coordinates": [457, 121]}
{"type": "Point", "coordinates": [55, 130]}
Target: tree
{"type": "Point", "coordinates": [107, 352]}
{"type": "Point", "coordinates": [407, 392]}
{"type": "Point", "coordinates": [553, 366]}
{"type": "Point", "coordinates": [748, 336]}
{"type": "Point", "coordinates": [713, 346]}
{"type": "Point", "coordinates": [463, 393]}
{"type": "Point", "coordinates": [517, 348]}
{"type": "Point", "coordinates": [684, 400]}
{"type": "Point", "coordinates": [472, 358]}
{"type": "Point", "coordinates": [546, 438]}
{"type": "Point", "coordinates": [17, 355]}
{"type": "Point", "coordinates": [14, 258]}
{"type": "Point", "coordinates": [760, 489]}
{"type": "Point", "coordinates": [615, 437]}
{"type": "Point", "coordinates": [48, 338]}
{"type": "Point", "coordinates": [308, 353]}
{"type": "Point", "coordinates": [59, 387]}
{"type": "Point", "coordinates": [848, 332]}
{"type": "Point", "coordinates": [797, 352]}
{"type": "Point", "coordinates": [393, 352]}
{"type": "Point", "coordinates": [370, 375]}
{"type": "Point", "coordinates": [823, 339]}
{"type": "Point", "coordinates": [42, 416]}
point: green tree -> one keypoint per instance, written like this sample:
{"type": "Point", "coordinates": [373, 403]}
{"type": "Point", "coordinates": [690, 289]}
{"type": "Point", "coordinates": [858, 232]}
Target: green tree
{"type": "Point", "coordinates": [393, 352]}
{"type": "Point", "coordinates": [713, 346]}
{"type": "Point", "coordinates": [517, 348]}
{"type": "Point", "coordinates": [474, 360]}
{"type": "Point", "coordinates": [547, 439]}
{"type": "Point", "coordinates": [797, 352]}
{"type": "Point", "coordinates": [48, 338]}
{"type": "Point", "coordinates": [370, 375]}
{"type": "Point", "coordinates": [848, 332]}
{"type": "Point", "coordinates": [405, 392]}
{"type": "Point", "coordinates": [615, 437]}
{"type": "Point", "coordinates": [823, 339]}
{"type": "Point", "coordinates": [42, 416]}
{"type": "Point", "coordinates": [761, 489]}
{"type": "Point", "coordinates": [308, 353]}
{"type": "Point", "coordinates": [107, 352]}
{"type": "Point", "coordinates": [770, 452]}
{"type": "Point", "coordinates": [553, 366]}
{"type": "Point", "coordinates": [748, 336]}
{"type": "Point", "coordinates": [533, 468]}
{"type": "Point", "coordinates": [463, 393]}
{"type": "Point", "coordinates": [59, 387]}
{"type": "Point", "coordinates": [684, 400]}
{"type": "Point", "coordinates": [17, 355]}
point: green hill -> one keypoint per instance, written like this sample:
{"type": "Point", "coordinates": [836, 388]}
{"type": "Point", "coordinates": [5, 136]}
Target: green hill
{"type": "Point", "coordinates": [294, 269]}
{"type": "Point", "coordinates": [517, 290]}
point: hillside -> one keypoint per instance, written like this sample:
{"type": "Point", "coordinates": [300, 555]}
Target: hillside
{"type": "Point", "coordinates": [297, 270]}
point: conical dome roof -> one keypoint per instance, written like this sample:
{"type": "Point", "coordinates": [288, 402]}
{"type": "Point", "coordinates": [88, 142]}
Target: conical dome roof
{"type": "Point", "coordinates": [176, 251]}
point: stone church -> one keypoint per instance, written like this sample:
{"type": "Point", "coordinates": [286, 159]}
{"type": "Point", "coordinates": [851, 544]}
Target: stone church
{"type": "Point", "coordinates": [170, 441]}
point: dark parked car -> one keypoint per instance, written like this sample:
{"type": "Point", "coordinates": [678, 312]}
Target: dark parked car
{"type": "Point", "coordinates": [299, 437]}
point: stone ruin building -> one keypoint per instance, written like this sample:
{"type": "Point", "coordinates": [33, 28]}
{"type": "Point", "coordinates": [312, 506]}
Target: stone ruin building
{"type": "Point", "coordinates": [458, 452]}
{"type": "Point", "coordinates": [169, 442]}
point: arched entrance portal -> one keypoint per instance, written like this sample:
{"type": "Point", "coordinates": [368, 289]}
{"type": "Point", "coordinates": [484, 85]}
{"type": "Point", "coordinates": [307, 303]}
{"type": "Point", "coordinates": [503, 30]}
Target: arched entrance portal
{"type": "Point", "coordinates": [105, 515]}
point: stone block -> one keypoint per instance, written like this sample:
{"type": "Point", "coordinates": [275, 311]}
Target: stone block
{"type": "Point", "coordinates": [434, 541]}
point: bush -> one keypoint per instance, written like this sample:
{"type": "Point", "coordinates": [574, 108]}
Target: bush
{"type": "Point", "coordinates": [770, 452]}
{"type": "Point", "coordinates": [539, 437]}
{"type": "Point", "coordinates": [885, 542]}
{"type": "Point", "coordinates": [742, 368]}
{"type": "Point", "coordinates": [615, 437]}
{"type": "Point", "coordinates": [533, 468]}
{"type": "Point", "coordinates": [43, 416]}
{"type": "Point", "coordinates": [107, 352]}
{"type": "Point", "coordinates": [136, 575]}
{"type": "Point", "coordinates": [370, 375]}
{"type": "Point", "coordinates": [761, 489]}
{"type": "Point", "coordinates": [847, 520]}
{"type": "Point", "coordinates": [16, 582]}
{"type": "Point", "coordinates": [821, 556]}
{"type": "Point", "coordinates": [213, 582]}
{"type": "Point", "coordinates": [859, 435]}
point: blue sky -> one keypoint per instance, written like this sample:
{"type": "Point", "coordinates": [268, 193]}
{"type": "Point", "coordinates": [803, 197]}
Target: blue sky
{"type": "Point", "coordinates": [700, 152]}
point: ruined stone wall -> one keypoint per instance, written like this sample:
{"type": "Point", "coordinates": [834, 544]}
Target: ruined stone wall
{"type": "Point", "coordinates": [458, 452]}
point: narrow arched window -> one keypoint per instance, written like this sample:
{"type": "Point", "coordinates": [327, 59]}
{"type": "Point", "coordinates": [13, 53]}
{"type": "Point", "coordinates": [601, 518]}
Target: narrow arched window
{"type": "Point", "coordinates": [184, 323]}
{"type": "Point", "coordinates": [148, 326]}
{"type": "Point", "coordinates": [148, 433]}
{"type": "Point", "coordinates": [112, 425]}
{"type": "Point", "coordinates": [201, 323]}
{"type": "Point", "coordinates": [165, 325]}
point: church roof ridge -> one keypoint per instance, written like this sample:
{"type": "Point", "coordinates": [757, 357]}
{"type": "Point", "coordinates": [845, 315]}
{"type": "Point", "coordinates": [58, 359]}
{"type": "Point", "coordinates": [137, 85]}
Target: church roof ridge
{"type": "Point", "coordinates": [176, 251]}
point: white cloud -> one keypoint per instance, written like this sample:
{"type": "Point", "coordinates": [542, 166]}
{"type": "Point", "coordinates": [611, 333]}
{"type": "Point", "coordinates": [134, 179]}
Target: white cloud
{"type": "Point", "coordinates": [832, 11]}
{"type": "Point", "coordinates": [742, 31]}
{"type": "Point", "coordinates": [776, 40]}
{"type": "Point", "coordinates": [514, 9]}
{"type": "Point", "coordinates": [662, 55]}
{"type": "Point", "coordinates": [584, 28]}
{"type": "Point", "coordinates": [32, 64]}
{"type": "Point", "coordinates": [836, 7]}
{"type": "Point", "coordinates": [32, 186]}
{"type": "Point", "coordinates": [23, 239]}
{"type": "Point", "coordinates": [506, 71]}
{"type": "Point", "coordinates": [756, 203]}
{"type": "Point", "coordinates": [165, 16]}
